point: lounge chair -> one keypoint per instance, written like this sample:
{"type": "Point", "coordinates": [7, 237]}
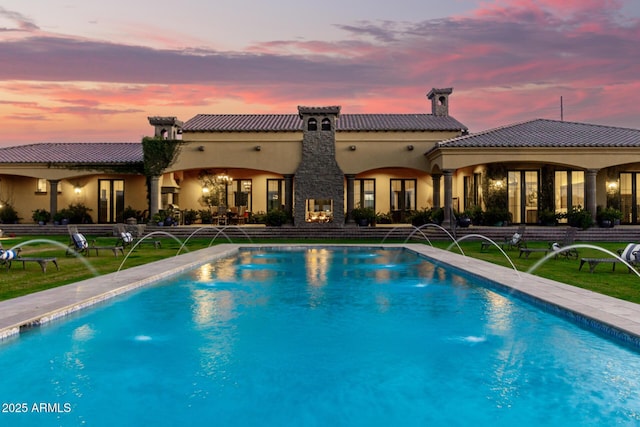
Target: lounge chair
{"type": "Point", "coordinates": [512, 241]}
{"type": "Point", "coordinates": [557, 248]}
{"type": "Point", "coordinates": [631, 254]}
{"type": "Point", "coordinates": [80, 244]}
{"type": "Point", "coordinates": [569, 239]}
{"type": "Point", "coordinates": [516, 241]}
{"type": "Point", "coordinates": [128, 236]}
{"type": "Point", "coordinates": [9, 256]}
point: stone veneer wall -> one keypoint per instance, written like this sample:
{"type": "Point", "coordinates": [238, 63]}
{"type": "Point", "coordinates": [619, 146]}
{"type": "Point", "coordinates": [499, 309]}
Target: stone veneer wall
{"type": "Point", "coordinates": [318, 176]}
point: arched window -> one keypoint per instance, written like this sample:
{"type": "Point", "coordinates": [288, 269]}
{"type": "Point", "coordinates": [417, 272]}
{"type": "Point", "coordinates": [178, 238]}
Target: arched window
{"type": "Point", "coordinates": [312, 124]}
{"type": "Point", "coordinates": [164, 134]}
{"type": "Point", "coordinates": [326, 124]}
{"type": "Point", "coordinates": [442, 100]}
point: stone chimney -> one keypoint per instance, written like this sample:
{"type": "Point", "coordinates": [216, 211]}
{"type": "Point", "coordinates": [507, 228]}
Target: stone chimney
{"type": "Point", "coordinates": [319, 181]}
{"type": "Point", "coordinates": [440, 101]}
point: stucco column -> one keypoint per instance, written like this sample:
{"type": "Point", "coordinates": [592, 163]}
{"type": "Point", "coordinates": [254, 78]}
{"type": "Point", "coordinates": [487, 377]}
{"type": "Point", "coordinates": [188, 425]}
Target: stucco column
{"type": "Point", "coordinates": [288, 194]}
{"type": "Point", "coordinates": [350, 196]}
{"type": "Point", "coordinates": [436, 189]}
{"type": "Point", "coordinates": [53, 196]}
{"type": "Point", "coordinates": [154, 196]}
{"type": "Point", "coordinates": [448, 197]}
{"type": "Point", "coordinates": [590, 200]}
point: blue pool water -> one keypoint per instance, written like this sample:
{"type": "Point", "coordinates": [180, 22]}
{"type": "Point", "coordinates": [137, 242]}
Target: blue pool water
{"type": "Point", "coordinates": [318, 337]}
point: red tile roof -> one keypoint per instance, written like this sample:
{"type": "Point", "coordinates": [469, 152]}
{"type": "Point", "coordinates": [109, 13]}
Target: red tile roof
{"type": "Point", "coordinates": [79, 152]}
{"type": "Point", "coordinates": [548, 133]}
{"type": "Point", "coordinates": [345, 122]}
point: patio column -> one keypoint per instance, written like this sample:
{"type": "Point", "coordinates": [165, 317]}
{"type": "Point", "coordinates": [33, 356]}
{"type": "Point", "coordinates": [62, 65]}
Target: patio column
{"type": "Point", "coordinates": [288, 194]}
{"type": "Point", "coordinates": [436, 189]}
{"type": "Point", "coordinates": [53, 196]}
{"type": "Point", "coordinates": [590, 199]}
{"type": "Point", "coordinates": [448, 197]}
{"type": "Point", "coordinates": [350, 196]}
{"type": "Point", "coordinates": [154, 196]}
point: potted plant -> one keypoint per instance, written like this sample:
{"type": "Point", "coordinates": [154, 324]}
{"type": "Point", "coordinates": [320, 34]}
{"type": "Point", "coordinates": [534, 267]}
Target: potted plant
{"type": "Point", "coordinates": [158, 219]}
{"type": "Point", "coordinates": [363, 216]}
{"type": "Point", "coordinates": [384, 218]}
{"type": "Point", "coordinates": [580, 218]}
{"type": "Point", "coordinates": [41, 216]}
{"type": "Point", "coordinates": [190, 216]}
{"type": "Point", "coordinates": [497, 216]}
{"type": "Point", "coordinates": [548, 217]}
{"type": "Point", "coordinates": [607, 217]}
{"type": "Point", "coordinates": [276, 217]}
{"type": "Point", "coordinates": [206, 216]}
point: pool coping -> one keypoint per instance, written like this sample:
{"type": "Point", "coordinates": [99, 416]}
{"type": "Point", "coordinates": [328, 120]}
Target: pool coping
{"type": "Point", "coordinates": [617, 317]}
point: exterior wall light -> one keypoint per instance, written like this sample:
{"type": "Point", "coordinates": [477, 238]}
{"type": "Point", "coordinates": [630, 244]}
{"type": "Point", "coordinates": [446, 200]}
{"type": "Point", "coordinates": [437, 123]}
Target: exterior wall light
{"type": "Point", "coordinates": [201, 148]}
{"type": "Point", "coordinates": [352, 148]}
{"type": "Point", "coordinates": [410, 147]}
{"type": "Point", "coordinates": [77, 190]}
{"type": "Point", "coordinates": [257, 148]}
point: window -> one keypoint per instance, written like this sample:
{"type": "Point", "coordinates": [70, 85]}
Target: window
{"type": "Point", "coordinates": [364, 193]}
{"type": "Point", "coordinates": [41, 186]}
{"type": "Point", "coordinates": [312, 124]}
{"type": "Point", "coordinates": [326, 124]}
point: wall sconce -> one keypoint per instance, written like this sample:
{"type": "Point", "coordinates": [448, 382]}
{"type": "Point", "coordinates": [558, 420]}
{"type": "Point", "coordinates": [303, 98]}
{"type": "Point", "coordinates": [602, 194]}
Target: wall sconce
{"type": "Point", "coordinates": [257, 148]}
{"type": "Point", "coordinates": [612, 186]}
{"type": "Point", "coordinates": [205, 190]}
{"type": "Point", "coordinates": [201, 148]}
{"type": "Point", "coordinates": [410, 147]}
{"type": "Point", "coordinates": [77, 190]}
{"type": "Point", "coordinates": [352, 148]}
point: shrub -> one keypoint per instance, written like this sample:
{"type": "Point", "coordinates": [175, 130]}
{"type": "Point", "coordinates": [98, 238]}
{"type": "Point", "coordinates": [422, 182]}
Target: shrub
{"type": "Point", "coordinates": [496, 216]}
{"type": "Point", "coordinates": [206, 216]}
{"type": "Point", "coordinates": [276, 217]}
{"type": "Point", "coordinates": [190, 216]}
{"type": "Point", "coordinates": [78, 214]}
{"type": "Point", "coordinates": [8, 214]}
{"type": "Point", "coordinates": [363, 216]}
{"type": "Point", "coordinates": [475, 213]}
{"type": "Point", "coordinates": [41, 215]}
{"type": "Point", "coordinates": [420, 217]}
{"type": "Point", "coordinates": [578, 217]}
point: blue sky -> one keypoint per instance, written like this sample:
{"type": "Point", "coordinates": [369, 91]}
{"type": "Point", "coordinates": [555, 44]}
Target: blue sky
{"type": "Point", "coordinates": [93, 71]}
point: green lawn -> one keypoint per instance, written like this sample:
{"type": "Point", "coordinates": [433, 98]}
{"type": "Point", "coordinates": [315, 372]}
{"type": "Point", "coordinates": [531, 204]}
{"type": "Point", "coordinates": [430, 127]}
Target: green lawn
{"type": "Point", "coordinates": [18, 281]}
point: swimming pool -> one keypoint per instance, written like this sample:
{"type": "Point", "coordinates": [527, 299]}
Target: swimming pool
{"type": "Point", "coordinates": [319, 337]}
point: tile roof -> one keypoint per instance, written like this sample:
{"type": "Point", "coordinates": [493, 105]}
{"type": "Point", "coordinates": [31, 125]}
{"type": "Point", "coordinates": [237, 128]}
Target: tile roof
{"type": "Point", "coordinates": [78, 152]}
{"type": "Point", "coordinates": [345, 122]}
{"type": "Point", "coordinates": [548, 133]}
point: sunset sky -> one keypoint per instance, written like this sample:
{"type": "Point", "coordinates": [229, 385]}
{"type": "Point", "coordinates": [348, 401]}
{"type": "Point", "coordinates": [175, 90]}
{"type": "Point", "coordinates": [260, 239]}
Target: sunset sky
{"type": "Point", "coordinates": [89, 71]}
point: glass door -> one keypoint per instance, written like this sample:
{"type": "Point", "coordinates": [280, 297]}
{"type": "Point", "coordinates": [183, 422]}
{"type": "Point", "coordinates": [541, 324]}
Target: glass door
{"type": "Point", "coordinates": [110, 200]}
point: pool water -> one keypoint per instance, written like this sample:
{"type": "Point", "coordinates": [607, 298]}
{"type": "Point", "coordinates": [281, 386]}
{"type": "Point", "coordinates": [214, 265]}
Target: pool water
{"type": "Point", "coordinates": [318, 337]}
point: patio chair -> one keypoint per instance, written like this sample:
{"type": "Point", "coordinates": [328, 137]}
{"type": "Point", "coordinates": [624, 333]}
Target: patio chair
{"type": "Point", "coordinates": [516, 241]}
{"type": "Point", "coordinates": [132, 234]}
{"type": "Point", "coordinates": [568, 240]}
{"type": "Point", "coordinates": [80, 244]}
{"type": "Point", "coordinates": [13, 255]}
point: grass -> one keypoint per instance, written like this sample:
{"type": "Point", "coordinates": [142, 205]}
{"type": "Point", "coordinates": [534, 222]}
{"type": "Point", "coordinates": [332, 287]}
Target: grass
{"type": "Point", "coordinates": [18, 281]}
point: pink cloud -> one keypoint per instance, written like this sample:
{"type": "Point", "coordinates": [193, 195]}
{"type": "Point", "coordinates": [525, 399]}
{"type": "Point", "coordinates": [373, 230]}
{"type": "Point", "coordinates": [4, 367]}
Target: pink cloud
{"type": "Point", "coordinates": [508, 61]}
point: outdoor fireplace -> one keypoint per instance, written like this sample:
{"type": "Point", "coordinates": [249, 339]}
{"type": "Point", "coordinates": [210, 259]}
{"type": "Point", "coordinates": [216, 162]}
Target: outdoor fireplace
{"type": "Point", "coordinates": [319, 181]}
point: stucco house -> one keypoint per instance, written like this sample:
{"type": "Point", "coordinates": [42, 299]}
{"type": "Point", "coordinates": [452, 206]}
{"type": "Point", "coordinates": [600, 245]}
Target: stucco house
{"type": "Point", "coordinates": [318, 163]}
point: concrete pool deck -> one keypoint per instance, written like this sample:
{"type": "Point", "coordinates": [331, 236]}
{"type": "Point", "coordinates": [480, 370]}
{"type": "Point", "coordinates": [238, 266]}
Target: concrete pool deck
{"type": "Point", "coordinates": [613, 316]}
